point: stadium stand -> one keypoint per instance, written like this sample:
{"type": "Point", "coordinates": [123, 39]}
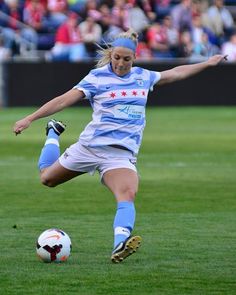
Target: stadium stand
{"type": "Point", "coordinates": [29, 29]}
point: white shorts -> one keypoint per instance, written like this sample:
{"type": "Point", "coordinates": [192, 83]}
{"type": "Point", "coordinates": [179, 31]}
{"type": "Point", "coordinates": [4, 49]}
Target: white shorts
{"type": "Point", "coordinates": [86, 159]}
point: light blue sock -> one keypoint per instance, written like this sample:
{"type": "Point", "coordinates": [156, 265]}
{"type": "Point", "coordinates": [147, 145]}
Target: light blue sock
{"type": "Point", "coordinates": [123, 222]}
{"type": "Point", "coordinates": [51, 150]}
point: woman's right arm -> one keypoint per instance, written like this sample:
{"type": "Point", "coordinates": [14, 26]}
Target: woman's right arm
{"type": "Point", "coordinates": [53, 106]}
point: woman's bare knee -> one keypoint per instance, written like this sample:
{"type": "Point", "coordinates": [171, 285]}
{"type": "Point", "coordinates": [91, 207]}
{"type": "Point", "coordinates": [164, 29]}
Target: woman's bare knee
{"type": "Point", "coordinates": [131, 193]}
{"type": "Point", "coordinates": [56, 174]}
{"type": "Point", "coordinates": [45, 180]}
{"type": "Point", "coordinates": [127, 194]}
{"type": "Point", "coordinates": [123, 183]}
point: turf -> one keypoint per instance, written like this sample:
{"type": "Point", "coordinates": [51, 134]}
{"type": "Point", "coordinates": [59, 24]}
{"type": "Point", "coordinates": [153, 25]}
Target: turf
{"type": "Point", "coordinates": [186, 209]}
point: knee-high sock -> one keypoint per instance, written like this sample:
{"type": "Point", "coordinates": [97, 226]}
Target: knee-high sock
{"type": "Point", "coordinates": [123, 222]}
{"type": "Point", "coordinates": [51, 150]}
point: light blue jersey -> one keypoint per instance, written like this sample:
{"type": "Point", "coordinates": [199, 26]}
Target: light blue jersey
{"type": "Point", "coordinates": [118, 106]}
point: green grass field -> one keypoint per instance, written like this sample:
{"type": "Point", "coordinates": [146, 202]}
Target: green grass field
{"type": "Point", "coordinates": [186, 210]}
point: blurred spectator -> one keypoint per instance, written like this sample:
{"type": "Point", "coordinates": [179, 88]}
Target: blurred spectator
{"type": "Point", "coordinates": [136, 14]}
{"type": "Point", "coordinates": [18, 37]}
{"type": "Point", "coordinates": [167, 28]}
{"type": "Point", "coordinates": [137, 19]}
{"type": "Point", "coordinates": [112, 32]}
{"type": "Point", "coordinates": [219, 19]}
{"type": "Point", "coordinates": [91, 33]}
{"type": "Point", "coordinates": [157, 41]}
{"type": "Point", "coordinates": [105, 19]}
{"type": "Point", "coordinates": [162, 8]}
{"type": "Point", "coordinates": [204, 48]}
{"type": "Point", "coordinates": [92, 10]}
{"type": "Point", "coordinates": [69, 45]}
{"type": "Point", "coordinates": [33, 15]}
{"type": "Point", "coordinates": [120, 14]}
{"type": "Point", "coordinates": [185, 48]}
{"type": "Point", "coordinates": [143, 52]}
{"type": "Point", "coordinates": [182, 15]}
{"type": "Point", "coordinates": [57, 13]}
{"type": "Point", "coordinates": [172, 35]}
{"type": "Point", "coordinates": [146, 7]}
{"type": "Point", "coordinates": [229, 48]}
{"type": "Point", "coordinates": [11, 15]}
{"type": "Point", "coordinates": [198, 7]}
{"type": "Point", "coordinates": [119, 20]}
{"type": "Point", "coordinates": [198, 30]}
{"type": "Point", "coordinates": [5, 53]}
{"type": "Point", "coordinates": [77, 6]}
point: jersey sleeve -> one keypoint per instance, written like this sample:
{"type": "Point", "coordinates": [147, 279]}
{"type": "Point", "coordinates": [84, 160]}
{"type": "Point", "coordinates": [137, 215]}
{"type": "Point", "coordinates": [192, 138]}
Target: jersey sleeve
{"type": "Point", "coordinates": [88, 85]}
{"type": "Point", "coordinates": [154, 78]}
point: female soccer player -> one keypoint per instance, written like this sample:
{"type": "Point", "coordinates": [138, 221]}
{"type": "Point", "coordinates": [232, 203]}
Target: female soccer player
{"type": "Point", "coordinates": [110, 142]}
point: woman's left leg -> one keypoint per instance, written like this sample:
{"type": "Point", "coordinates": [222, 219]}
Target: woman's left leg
{"type": "Point", "coordinates": [123, 183]}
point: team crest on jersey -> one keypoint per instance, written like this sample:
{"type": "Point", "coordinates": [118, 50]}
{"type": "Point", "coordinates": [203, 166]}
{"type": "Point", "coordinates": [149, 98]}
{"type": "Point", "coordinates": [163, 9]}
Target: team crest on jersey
{"type": "Point", "coordinates": [139, 81]}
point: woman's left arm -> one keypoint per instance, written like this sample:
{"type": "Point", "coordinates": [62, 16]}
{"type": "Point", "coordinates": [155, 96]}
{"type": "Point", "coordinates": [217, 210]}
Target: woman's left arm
{"type": "Point", "coordinates": [185, 71]}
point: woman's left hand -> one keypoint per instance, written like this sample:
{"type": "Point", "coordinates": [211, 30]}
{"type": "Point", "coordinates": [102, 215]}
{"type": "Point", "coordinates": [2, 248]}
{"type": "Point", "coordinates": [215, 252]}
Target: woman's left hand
{"type": "Point", "coordinates": [216, 59]}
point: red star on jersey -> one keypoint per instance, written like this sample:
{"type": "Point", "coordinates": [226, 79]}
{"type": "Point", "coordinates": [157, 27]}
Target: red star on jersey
{"type": "Point", "coordinates": [123, 93]}
{"type": "Point", "coordinates": [112, 95]}
{"type": "Point", "coordinates": [134, 92]}
{"type": "Point", "coordinates": [143, 93]}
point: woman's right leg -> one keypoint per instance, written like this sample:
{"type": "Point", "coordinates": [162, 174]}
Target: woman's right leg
{"type": "Point", "coordinates": [57, 174]}
{"type": "Point", "coordinates": [52, 172]}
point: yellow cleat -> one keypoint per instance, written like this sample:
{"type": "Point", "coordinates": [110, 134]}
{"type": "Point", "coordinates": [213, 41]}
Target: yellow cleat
{"type": "Point", "coordinates": [125, 249]}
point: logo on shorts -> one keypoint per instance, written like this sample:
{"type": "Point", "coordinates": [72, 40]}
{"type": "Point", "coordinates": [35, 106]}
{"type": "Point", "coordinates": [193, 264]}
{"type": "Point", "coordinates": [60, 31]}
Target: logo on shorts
{"type": "Point", "coordinates": [132, 161]}
{"type": "Point", "coordinates": [66, 155]}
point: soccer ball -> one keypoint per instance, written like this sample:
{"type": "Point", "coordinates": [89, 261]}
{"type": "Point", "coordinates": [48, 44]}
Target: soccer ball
{"type": "Point", "coordinates": [53, 245]}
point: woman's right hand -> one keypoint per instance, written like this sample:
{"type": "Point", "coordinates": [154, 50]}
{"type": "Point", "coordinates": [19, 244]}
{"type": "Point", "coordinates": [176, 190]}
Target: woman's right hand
{"type": "Point", "coordinates": [21, 125]}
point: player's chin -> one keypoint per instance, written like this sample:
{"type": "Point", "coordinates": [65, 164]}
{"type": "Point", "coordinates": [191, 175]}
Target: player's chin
{"type": "Point", "coordinates": [122, 72]}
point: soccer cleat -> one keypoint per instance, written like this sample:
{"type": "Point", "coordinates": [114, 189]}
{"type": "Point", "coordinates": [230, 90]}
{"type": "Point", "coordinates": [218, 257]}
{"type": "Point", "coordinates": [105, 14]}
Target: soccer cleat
{"type": "Point", "coordinates": [125, 249]}
{"type": "Point", "coordinates": [57, 126]}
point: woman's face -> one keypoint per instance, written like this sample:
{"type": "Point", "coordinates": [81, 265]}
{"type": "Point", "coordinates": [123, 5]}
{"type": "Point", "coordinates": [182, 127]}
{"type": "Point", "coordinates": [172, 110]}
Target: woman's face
{"type": "Point", "coordinates": [122, 60]}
